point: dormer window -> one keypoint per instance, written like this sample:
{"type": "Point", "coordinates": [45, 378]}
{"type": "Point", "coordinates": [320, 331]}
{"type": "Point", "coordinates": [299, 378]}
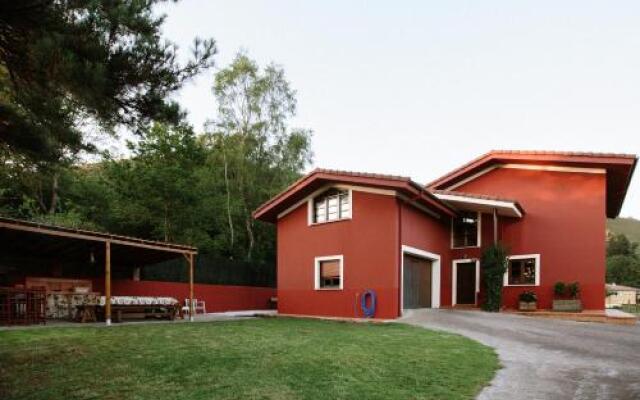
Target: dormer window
{"type": "Point", "coordinates": [332, 205]}
{"type": "Point", "coordinates": [466, 230]}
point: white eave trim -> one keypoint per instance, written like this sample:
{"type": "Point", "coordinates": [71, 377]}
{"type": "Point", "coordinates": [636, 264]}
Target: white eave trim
{"type": "Point", "coordinates": [482, 202]}
{"type": "Point", "coordinates": [534, 167]}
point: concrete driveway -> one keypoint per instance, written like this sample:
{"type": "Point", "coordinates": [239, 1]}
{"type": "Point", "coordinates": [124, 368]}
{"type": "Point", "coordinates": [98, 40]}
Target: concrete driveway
{"type": "Point", "coordinates": [548, 359]}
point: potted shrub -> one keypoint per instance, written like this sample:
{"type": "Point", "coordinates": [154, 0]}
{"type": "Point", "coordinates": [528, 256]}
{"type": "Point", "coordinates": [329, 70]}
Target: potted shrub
{"type": "Point", "coordinates": [566, 297]}
{"type": "Point", "coordinates": [528, 301]}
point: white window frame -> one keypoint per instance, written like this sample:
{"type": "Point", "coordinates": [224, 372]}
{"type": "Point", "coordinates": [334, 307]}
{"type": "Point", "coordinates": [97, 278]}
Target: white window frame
{"type": "Point", "coordinates": [454, 279]}
{"type": "Point", "coordinates": [479, 214]}
{"type": "Point", "coordinates": [316, 271]}
{"type": "Point", "coordinates": [435, 274]}
{"type": "Point", "coordinates": [536, 257]}
{"type": "Point", "coordinates": [311, 210]}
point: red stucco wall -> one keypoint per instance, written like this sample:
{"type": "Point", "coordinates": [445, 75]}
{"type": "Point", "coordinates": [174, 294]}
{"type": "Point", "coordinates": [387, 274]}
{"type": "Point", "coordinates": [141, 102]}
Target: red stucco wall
{"type": "Point", "coordinates": [218, 298]}
{"type": "Point", "coordinates": [564, 222]}
{"type": "Point", "coordinates": [424, 232]}
{"type": "Point", "coordinates": [369, 245]}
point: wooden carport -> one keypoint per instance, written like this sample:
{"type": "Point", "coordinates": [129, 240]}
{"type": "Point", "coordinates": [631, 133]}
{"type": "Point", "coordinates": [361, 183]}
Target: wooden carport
{"type": "Point", "coordinates": [26, 237]}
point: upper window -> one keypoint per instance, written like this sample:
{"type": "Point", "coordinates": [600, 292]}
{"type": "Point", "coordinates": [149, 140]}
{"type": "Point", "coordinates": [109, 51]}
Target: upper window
{"type": "Point", "coordinates": [328, 272]}
{"type": "Point", "coordinates": [465, 230]}
{"type": "Point", "coordinates": [523, 271]}
{"type": "Point", "coordinates": [332, 205]}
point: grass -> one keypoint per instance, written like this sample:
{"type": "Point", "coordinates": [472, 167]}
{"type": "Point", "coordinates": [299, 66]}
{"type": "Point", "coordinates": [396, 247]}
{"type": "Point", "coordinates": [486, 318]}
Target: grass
{"type": "Point", "coordinates": [271, 358]}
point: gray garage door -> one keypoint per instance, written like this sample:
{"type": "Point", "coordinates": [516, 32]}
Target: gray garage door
{"type": "Point", "coordinates": [416, 282]}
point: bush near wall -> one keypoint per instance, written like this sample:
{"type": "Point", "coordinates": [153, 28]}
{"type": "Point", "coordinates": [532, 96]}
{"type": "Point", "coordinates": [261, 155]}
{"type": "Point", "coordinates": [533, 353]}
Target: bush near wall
{"type": "Point", "coordinates": [493, 265]}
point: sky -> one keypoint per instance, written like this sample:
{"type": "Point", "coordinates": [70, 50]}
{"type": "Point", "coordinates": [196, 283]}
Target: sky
{"type": "Point", "coordinates": [417, 88]}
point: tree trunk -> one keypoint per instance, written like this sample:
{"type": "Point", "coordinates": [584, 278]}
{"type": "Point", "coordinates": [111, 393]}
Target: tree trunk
{"type": "Point", "coordinates": [54, 194]}
{"type": "Point", "coordinates": [249, 225]}
{"type": "Point", "coordinates": [226, 184]}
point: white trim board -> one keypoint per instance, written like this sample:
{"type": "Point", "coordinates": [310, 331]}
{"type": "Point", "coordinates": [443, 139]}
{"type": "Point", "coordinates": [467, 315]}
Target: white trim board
{"type": "Point", "coordinates": [454, 278]}
{"type": "Point", "coordinates": [534, 167]}
{"type": "Point", "coordinates": [520, 257]}
{"type": "Point", "coordinates": [483, 202]}
{"type": "Point", "coordinates": [435, 274]}
{"type": "Point", "coordinates": [316, 271]}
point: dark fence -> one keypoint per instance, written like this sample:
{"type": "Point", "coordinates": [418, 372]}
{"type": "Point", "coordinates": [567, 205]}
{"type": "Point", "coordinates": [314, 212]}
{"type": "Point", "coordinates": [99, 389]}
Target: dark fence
{"type": "Point", "coordinates": [212, 270]}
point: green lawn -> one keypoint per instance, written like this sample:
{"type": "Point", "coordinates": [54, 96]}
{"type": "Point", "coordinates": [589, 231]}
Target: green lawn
{"type": "Point", "coordinates": [270, 358]}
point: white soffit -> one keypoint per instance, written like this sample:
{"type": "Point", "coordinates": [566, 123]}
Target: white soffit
{"type": "Point", "coordinates": [465, 203]}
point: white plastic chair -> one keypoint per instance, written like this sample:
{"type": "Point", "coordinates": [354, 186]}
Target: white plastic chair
{"type": "Point", "coordinates": [198, 305]}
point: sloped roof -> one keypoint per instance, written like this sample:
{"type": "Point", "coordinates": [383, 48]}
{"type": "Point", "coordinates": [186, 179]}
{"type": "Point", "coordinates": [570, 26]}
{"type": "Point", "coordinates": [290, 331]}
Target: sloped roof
{"type": "Point", "coordinates": [319, 177]}
{"type": "Point", "coordinates": [619, 168]}
{"type": "Point", "coordinates": [452, 198]}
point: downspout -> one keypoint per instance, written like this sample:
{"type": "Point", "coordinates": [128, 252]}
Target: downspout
{"type": "Point", "coordinates": [495, 226]}
{"type": "Point", "coordinates": [399, 247]}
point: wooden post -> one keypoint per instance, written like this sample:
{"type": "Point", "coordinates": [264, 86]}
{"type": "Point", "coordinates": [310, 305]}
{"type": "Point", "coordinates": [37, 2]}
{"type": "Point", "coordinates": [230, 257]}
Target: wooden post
{"type": "Point", "coordinates": [495, 226]}
{"type": "Point", "coordinates": [107, 283]}
{"type": "Point", "coordinates": [192, 309]}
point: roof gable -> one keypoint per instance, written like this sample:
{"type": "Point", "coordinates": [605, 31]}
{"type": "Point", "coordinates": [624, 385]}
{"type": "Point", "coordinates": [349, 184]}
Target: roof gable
{"type": "Point", "coordinates": [319, 178]}
{"type": "Point", "coordinates": [618, 167]}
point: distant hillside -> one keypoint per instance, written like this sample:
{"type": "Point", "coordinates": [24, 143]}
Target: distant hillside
{"type": "Point", "coordinates": [628, 226]}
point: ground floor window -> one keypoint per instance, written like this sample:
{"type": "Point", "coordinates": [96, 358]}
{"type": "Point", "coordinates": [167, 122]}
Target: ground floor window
{"type": "Point", "coordinates": [523, 270]}
{"type": "Point", "coordinates": [328, 272]}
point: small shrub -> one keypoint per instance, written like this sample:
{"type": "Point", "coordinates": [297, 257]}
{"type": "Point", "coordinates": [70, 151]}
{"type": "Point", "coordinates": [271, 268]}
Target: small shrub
{"type": "Point", "coordinates": [528, 296]}
{"type": "Point", "coordinates": [559, 289]}
{"type": "Point", "coordinates": [494, 265]}
{"type": "Point", "coordinates": [573, 289]}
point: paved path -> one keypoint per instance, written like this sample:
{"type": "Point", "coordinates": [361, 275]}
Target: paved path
{"type": "Point", "coordinates": [548, 359]}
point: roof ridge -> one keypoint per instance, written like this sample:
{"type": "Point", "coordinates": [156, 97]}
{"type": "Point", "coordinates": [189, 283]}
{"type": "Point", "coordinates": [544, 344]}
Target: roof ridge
{"type": "Point", "coordinates": [562, 152]}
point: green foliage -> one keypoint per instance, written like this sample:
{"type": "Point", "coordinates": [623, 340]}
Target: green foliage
{"type": "Point", "coordinates": [573, 290]}
{"type": "Point", "coordinates": [176, 185]}
{"type": "Point", "coordinates": [69, 64]}
{"type": "Point", "coordinates": [566, 290]}
{"type": "Point", "coordinates": [493, 266]}
{"type": "Point", "coordinates": [619, 244]}
{"type": "Point", "coordinates": [623, 270]}
{"type": "Point", "coordinates": [623, 261]}
{"type": "Point", "coordinates": [559, 289]}
{"type": "Point", "coordinates": [630, 227]}
{"type": "Point", "coordinates": [528, 296]}
{"type": "Point", "coordinates": [267, 358]}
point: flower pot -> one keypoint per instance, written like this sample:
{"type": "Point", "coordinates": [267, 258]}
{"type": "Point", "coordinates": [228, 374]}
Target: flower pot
{"type": "Point", "coordinates": [527, 306]}
{"type": "Point", "coordinates": [572, 305]}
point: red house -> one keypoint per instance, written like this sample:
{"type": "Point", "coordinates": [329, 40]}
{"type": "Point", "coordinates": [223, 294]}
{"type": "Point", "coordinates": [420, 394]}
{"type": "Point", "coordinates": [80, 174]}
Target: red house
{"type": "Point", "coordinates": [341, 233]}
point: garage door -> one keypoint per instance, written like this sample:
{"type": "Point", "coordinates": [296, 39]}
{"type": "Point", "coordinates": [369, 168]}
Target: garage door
{"type": "Point", "coordinates": [416, 282]}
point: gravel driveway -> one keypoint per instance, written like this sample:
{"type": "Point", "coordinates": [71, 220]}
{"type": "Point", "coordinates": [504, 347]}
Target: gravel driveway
{"type": "Point", "coordinates": [548, 359]}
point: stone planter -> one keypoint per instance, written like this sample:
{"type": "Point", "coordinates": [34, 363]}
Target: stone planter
{"type": "Point", "coordinates": [573, 305]}
{"type": "Point", "coordinates": [527, 306]}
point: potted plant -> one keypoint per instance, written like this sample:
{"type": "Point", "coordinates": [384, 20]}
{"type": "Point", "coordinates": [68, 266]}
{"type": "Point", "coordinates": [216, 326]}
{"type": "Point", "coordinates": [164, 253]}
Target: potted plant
{"type": "Point", "coordinates": [528, 301]}
{"type": "Point", "coordinates": [566, 297]}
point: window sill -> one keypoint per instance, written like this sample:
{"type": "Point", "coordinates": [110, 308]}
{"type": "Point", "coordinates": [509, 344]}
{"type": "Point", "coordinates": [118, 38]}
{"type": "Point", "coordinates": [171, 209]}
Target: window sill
{"type": "Point", "coordinates": [464, 247]}
{"type": "Point", "coordinates": [328, 289]}
{"type": "Point", "coordinates": [329, 222]}
{"type": "Point", "coordinates": [523, 285]}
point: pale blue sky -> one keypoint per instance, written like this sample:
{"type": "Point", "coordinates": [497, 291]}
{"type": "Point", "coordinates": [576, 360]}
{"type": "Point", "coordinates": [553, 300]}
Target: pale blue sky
{"type": "Point", "coordinates": [418, 88]}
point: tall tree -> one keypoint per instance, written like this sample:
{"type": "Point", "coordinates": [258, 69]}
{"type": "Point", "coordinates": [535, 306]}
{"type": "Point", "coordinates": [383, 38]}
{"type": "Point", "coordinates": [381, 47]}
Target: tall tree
{"type": "Point", "coordinates": [67, 65]}
{"type": "Point", "coordinates": [259, 152]}
{"type": "Point", "coordinates": [623, 261]}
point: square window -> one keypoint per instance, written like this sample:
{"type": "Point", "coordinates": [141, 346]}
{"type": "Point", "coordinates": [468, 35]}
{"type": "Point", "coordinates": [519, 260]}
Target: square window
{"type": "Point", "coordinates": [465, 230]}
{"type": "Point", "coordinates": [332, 205]}
{"type": "Point", "coordinates": [329, 272]}
{"type": "Point", "coordinates": [523, 271]}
